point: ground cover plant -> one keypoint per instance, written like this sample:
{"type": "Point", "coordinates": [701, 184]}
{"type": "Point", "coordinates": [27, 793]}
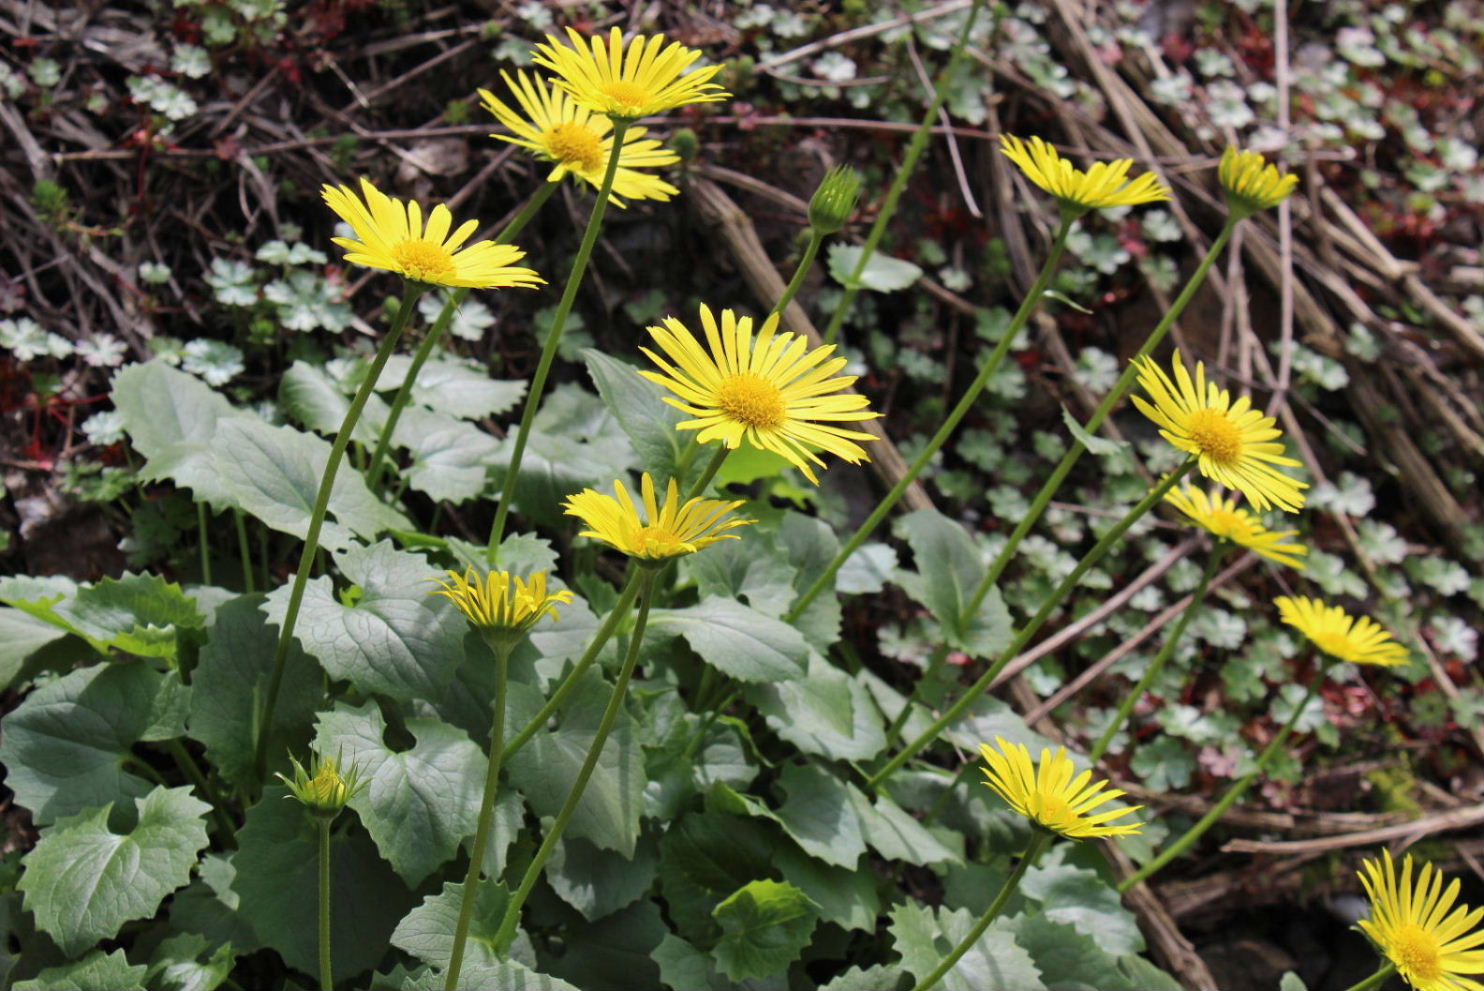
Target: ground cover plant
{"type": "Point", "coordinates": [502, 606]}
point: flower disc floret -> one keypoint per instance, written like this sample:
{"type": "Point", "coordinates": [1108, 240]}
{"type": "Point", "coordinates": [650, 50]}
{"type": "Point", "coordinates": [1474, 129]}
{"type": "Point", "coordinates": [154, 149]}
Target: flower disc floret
{"type": "Point", "coordinates": [769, 390]}
{"type": "Point", "coordinates": [1232, 441]}
{"type": "Point", "coordinates": [1105, 184]}
{"type": "Point", "coordinates": [555, 128]}
{"type": "Point", "coordinates": [1251, 183]}
{"type": "Point", "coordinates": [645, 77]}
{"type": "Point", "coordinates": [657, 533]}
{"type": "Point", "coordinates": [1221, 516]}
{"type": "Point", "coordinates": [1357, 639]}
{"type": "Point", "coordinates": [1052, 794]}
{"type": "Point", "coordinates": [500, 602]}
{"type": "Point", "coordinates": [1416, 926]}
{"type": "Point", "coordinates": [391, 235]}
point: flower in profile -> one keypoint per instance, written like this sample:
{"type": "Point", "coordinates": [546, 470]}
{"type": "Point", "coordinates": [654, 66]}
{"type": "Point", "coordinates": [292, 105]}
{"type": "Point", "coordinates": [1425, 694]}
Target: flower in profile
{"type": "Point", "coordinates": [390, 234]}
{"type": "Point", "coordinates": [1233, 441]}
{"type": "Point", "coordinates": [501, 606]}
{"type": "Point", "coordinates": [659, 532]}
{"type": "Point", "coordinates": [1104, 184]}
{"type": "Point", "coordinates": [553, 126]}
{"type": "Point", "coordinates": [323, 789]}
{"type": "Point", "coordinates": [1222, 518]}
{"type": "Point", "coordinates": [769, 390]}
{"type": "Point", "coordinates": [1431, 943]}
{"type": "Point", "coordinates": [1050, 796]}
{"type": "Point", "coordinates": [647, 77]}
{"type": "Point", "coordinates": [1251, 183]}
{"type": "Point", "coordinates": [1357, 639]}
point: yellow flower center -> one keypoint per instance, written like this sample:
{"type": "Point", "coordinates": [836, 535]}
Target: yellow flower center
{"type": "Point", "coordinates": [751, 399]}
{"type": "Point", "coordinates": [658, 541]}
{"type": "Point", "coordinates": [1227, 524]}
{"type": "Point", "coordinates": [326, 788]}
{"type": "Point", "coordinates": [1415, 951]}
{"type": "Point", "coordinates": [1053, 812]}
{"type": "Point", "coordinates": [1215, 435]}
{"type": "Point", "coordinates": [628, 95]}
{"type": "Point", "coordinates": [423, 260]}
{"type": "Point", "coordinates": [575, 145]}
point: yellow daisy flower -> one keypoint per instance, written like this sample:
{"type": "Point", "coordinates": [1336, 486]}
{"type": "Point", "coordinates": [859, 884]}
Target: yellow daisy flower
{"type": "Point", "coordinates": [647, 78]}
{"type": "Point", "coordinates": [1232, 440]}
{"type": "Point", "coordinates": [659, 533]}
{"type": "Point", "coordinates": [1251, 183]}
{"type": "Point", "coordinates": [1358, 639]}
{"type": "Point", "coordinates": [501, 602]}
{"type": "Point", "coordinates": [769, 390]}
{"type": "Point", "coordinates": [1418, 929]}
{"type": "Point", "coordinates": [553, 126]}
{"type": "Point", "coordinates": [1105, 184]}
{"type": "Point", "coordinates": [1221, 517]}
{"type": "Point", "coordinates": [1048, 794]}
{"type": "Point", "coordinates": [390, 234]}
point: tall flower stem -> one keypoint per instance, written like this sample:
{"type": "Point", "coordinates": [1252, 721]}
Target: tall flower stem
{"type": "Point", "coordinates": [205, 544]}
{"type": "Point", "coordinates": [1120, 389]}
{"type": "Point", "coordinates": [506, 932]}
{"type": "Point", "coordinates": [244, 551]}
{"type": "Point", "coordinates": [805, 264]}
{"type": "Point", "coordinates": [326, 981]}
{"type": "Point", "coordinates": [1375, 980]}
{"type": "Point", "coordinates": [1160, 659]}
{"type": "Point", "coordinates": [502, 653]}
{"type": "Point", "coordinates": [411, 292]}
{"type": "Point", "coordinates": [971, 394]}
{"type": "Point", "coordinates": [915, 148]}
{"type": "Point", "coordinates": [1233, 793]}
{"type": "Point", "coordinates": [456, 299]}
{"type": "Point", "coordinates": [615, 616]}
{"type": "Point", "coordinates": [1033, 852]}
{"type": "Point", "coordinates": [713, 466]}
{"type": "Point", "coordinates": [554, 340]}
{"type": "Point", "coordinates": [1032, 627]}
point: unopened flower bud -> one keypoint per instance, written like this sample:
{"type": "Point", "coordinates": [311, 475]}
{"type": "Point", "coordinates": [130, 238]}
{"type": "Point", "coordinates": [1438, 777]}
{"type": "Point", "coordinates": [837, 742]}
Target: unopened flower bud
{"type": "Point", "coordinates": [685, 144]}
{"type": "Point", "coordinates": [323, 789]}
{"type": "Point", "coordinates": [1251, 183]}
{"type": "Point", "coordinates": [834, 200]}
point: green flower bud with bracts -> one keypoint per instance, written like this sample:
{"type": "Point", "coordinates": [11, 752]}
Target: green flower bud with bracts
{"type": "Point", "coordinates": [323, 789]}
{"type": "Point", "coordinates": [834, 201]}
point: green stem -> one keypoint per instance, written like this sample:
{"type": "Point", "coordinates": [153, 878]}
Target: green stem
{"type": "Point", "coordinates": [800, 273]}
{"type": "Point", "coordinates": [244, 551]}
{"type": "Point", "coordinates": [554, 340]}
{"type": "Point", "coordinates": [486, 815]}
{"type": "Point", "coordinates": [991, 365]}
{"type": "Point", "coordinates": [934, 665]}
{"type": "Point", "coordinates": [1160, 659]}
{"type": "Point", "coordinates": [193, 773]}
{"type": "Point", "coordinates": [1120, 389]}
{"type": "Point", "coordinates": [712, 467]}
{"type": "Point", "coordinates": [379, 459]}
{"type": "Point", "coordinates": [325, 976]}
{"type": "Point", "coordinates": [506, 933]}
{"type": "Point", "coordinates": [615, 616]}
{"type": "Point", "coordinates": [412, 290]}
{"type": "Point", "coordinates": [915, 148]}
{"type": "Point", "coordinates": [1033, 851]}
{"type": "Point", "coordinates": [1374, 981]}
{"type": "Point", "coordinates": [1233, 793]}
{"type": "Point", "coordinates": [205, 544]}
{"type": "Point", "coordinates": [1033, 626]}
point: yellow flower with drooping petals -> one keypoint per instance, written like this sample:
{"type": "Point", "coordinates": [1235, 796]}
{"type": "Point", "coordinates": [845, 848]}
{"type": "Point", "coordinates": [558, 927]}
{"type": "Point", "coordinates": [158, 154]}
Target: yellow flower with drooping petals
{"type": "Point", "coordinates": [1232, 441]}
{"type": "Point", "coordinates": [1416, 927]}
{"type": "Point", "coordinates": [553, 126]}
{"type": "Point", "coordinates": [1104, 184]}
{"type": "Point", "coordinates": [770, 390]}
{"type": "Point", "coordinates": [1252, 184]}
{"type": "Point", "coordinates": [1050, 795]}
{"type": "Point", "coordinates": [646, 77]}
{"type": "Point", "coordinates": [1220, 515]}
{"type": "Point", "coordinates": [659, 532]}
{"type": "Point", "coordinates": [390, 234]}
{"type": "Point", "coordinates": [1357, 639]}
{"type": "Point", "coordinates": [500, 602]}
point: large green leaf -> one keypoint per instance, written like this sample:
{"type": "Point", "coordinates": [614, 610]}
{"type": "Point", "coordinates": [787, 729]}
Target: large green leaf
{"type": "Point", "coordinates": [450, 457]}
{"type": "Point", "coordinates": [879, 976]}
{"type": "Point", "coordinates": [599, 882]}
{"type": "Point", "coordinates": [546, 768]}
{"type": "Point", "coordinates": [98, 971]}
{"type": "Point", "coordinates": [277, 895]}
{"type": "Point", "coordinates": [685, 968]}
{"type": "Point", "coordinates": [427, 931]}
{"type": "Point", "coordinates": [893, 833]}
{"type": "Point", "coordinates": [704, 857]}
{"type": "Point", "coordinates": [643, 415]}
{"type": "Point", "coordinates": [740, 570]}
{"type": "Point", "coordinates": [176, 964]}
{"type": "Point", "coordinates": [819, 813]}
{"type": "Point", "coordinates": [64, 747]}
{"type": "Point", "coordinates": [949, 569]}
{"type": "Point", "coordinates": [21, 637]}
{"type": "Point", "coordinates": [614, 951]}
{"type": "Point", "coordinates": [1070, 960]}
{"type": "Point", "coordinates": [317, 401]}
{"type": "Point", "coordinates": [230, 683]}
{"type": "Point", "coordinates": [209, 906]}
{"type": "Point", "coordinates": [827, 713]}
{"type": "Point", "coordinates": [924, 937]}
{"type": "Point", "coordinates": [447, 385]}
{"type": "Point", "coordinates": [83, 881]}
{"type": "Point", "coordinates": [764, 926]}
{"type": "Point", "coordinates": [419, 804]}
{"type": "Point", "coordinates": [396, 639]}
{"type": "Point", "coordinates": [846, 897]}
{"type": "Point", "coordinates": [575, 442]}
{"type": "Point", "coordinates": [163, 408]}
{"type": "Point", "coordinates": [1080, 898]}
{"type": "Point", "coordinates": [882, 273]}
{"type": "Point", "coordinates": [737, 640]}
{"type": "Point", "coordinates": [140, 614]}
